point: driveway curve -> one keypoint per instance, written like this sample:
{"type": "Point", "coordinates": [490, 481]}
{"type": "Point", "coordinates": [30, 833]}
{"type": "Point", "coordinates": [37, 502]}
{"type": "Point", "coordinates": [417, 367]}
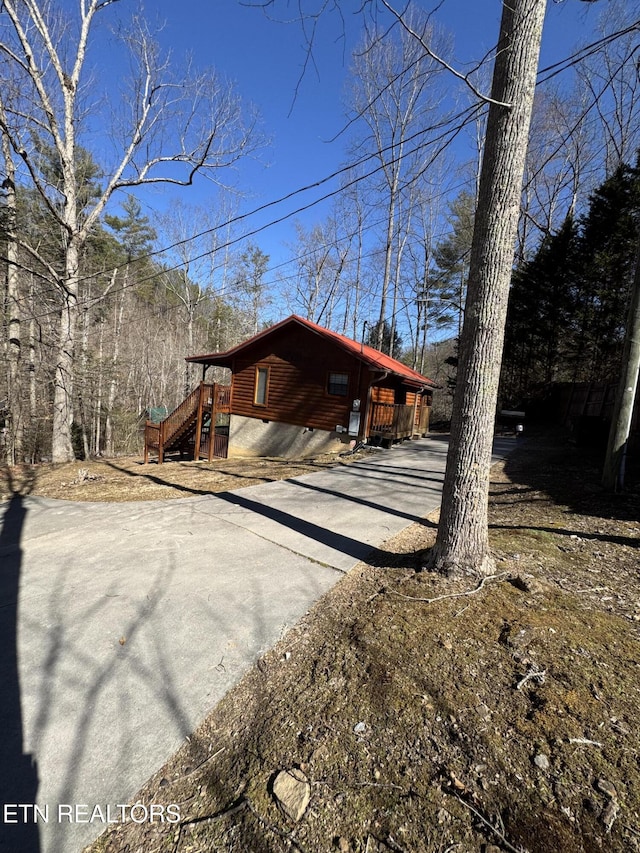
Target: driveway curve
{"type": "Point", "coordinates": [124, 624]}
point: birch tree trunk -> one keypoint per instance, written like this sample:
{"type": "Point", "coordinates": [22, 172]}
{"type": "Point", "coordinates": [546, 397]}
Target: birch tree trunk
{"type": "Point", "coordinates": [83, 390]}
{"type": "Point", "coordinates": [61, 441]}
{"type": "Point", "coordinates": [462, 544]}
{"type": "Point", "coordinates": [97, 417]}
{"type": "Point", "coordinates": [614, 465]}
{"type": "Point", "coordinates": [15, 435]}
{"type": "Point", "coordinates": [33, 391]}
{"type": "Point", "coordinates": [388, 257]}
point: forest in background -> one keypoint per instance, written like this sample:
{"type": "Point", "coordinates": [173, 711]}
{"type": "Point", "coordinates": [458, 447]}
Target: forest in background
{"type": "Point", "coordinates": [98, 319]}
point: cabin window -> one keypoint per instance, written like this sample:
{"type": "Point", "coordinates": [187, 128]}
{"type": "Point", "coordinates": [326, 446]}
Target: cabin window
{"type": "Point", "coordinates": [261, 392]}
{"type": "Point", "coordinates": [338, 384]}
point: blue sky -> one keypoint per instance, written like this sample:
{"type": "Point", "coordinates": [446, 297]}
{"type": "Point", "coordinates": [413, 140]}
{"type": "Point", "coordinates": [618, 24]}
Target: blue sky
{"type": "Point", "coordinates": [265, 58]}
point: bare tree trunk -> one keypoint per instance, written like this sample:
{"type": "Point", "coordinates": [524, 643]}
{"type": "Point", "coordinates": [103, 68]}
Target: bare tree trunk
{"type": "Point", "coordinates": [83, 392]}
{"type": "Point", "coordinates": [352, 299]}
{"type": "Point", "coordinates": [398, 88]}
{"type": "Point", "coordinates": [613, 475]}
{"type": "Point", "coordinates": [191, 310]}
{"type": "Point", "coordinates": [33, 391]}
{"type": "Point", "coordinates": [462, 543]}
{"type": "Point", "coordinates": [113, 382]}
{"type": "Point", "coordinates": [356, 296]}
{"type": "Point", "coordinates": [15, 435]}
{"type": "Point", "coordinates": [423, 316]}
{"type": "Point", "coordinates": [62, 444]}
{"type": "Point", "coordinates": [394, 303]}
{"type": "Point", "coordinates": [97, 429]}
{"type": "Point", "coordinates": [388, 256]}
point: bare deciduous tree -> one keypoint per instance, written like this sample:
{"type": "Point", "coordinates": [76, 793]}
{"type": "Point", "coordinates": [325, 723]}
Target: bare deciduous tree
{"type": "Point", "coordinates": [174, 128]}
{"type": "Point", "coordinates": [189, 279]}
{"type": "Point", "coordinates": [611, 79]}
{"type": "Point", "coordinates": [396, 97]}
{"type": "Point", "coordinates": [321, 258]}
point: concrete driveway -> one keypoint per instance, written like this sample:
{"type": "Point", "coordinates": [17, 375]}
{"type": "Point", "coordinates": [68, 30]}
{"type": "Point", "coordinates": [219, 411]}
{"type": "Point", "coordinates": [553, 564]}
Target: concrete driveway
{"type": "Point", "coordinates": [122, 625]}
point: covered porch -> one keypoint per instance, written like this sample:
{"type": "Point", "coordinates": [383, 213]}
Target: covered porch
{"type": "Point", "coordinates": [390, 421]}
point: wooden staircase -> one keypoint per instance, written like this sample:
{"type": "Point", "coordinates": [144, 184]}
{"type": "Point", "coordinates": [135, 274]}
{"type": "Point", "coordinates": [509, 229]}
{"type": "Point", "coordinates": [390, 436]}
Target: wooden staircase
{"type": "Point", "coordinates": [193, 422]}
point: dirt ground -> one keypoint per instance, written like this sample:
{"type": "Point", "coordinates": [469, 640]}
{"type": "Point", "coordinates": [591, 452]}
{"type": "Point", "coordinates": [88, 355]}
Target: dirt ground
{"type": "Point", "coordinates": [432, 715]}
{"type": "Point", "coordinates": [129, 479]}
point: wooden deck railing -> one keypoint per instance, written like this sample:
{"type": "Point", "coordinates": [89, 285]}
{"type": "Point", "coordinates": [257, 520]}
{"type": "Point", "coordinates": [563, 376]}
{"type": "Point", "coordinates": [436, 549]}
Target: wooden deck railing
{"type": "Point", "coordinates": [422, 420]}
{"type": "Point", "coordinates": [394, 421]}
{"type": "Point", "coordinates": [223, 398]}
{"type": "Point", "coordinates": [152, 436]}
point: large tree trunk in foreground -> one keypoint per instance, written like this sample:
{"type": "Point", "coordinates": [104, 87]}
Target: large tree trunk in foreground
{"type": "Point", "coordinates": [614, 465]}
{"type": "Point", "coordinates": [462, 544]}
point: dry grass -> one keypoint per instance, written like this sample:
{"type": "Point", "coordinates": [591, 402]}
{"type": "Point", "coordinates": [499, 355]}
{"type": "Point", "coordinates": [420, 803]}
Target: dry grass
{"type": "Point", "coordinates": [129, 479]}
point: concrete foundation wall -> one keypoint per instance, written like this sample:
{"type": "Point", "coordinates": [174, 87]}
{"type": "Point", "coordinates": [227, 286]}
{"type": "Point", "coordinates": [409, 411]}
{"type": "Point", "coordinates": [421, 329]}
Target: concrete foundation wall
{"type": "Point", "coordinates": [253, 437]}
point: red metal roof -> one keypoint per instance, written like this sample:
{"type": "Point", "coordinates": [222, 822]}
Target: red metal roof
{"type": "Point", "coordinates": [370, 356]}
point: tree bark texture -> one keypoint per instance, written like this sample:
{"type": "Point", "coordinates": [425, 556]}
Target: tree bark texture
{"type": "Point", "coordinates": [613, 475]}
{"type": "Point", "coordinates": [462, 544]}
{"type": "Point", "coordinates": [63, 382]}
{"type": "Point", "coordinates": [15, 435]}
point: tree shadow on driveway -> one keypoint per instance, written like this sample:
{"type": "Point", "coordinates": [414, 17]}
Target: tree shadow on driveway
{"type": "Point", "coordinates": [18, 770]}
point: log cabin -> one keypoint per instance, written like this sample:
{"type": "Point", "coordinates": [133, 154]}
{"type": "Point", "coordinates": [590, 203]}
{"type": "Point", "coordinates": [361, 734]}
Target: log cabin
{"type": "Point", "coordinates": [298, 389]}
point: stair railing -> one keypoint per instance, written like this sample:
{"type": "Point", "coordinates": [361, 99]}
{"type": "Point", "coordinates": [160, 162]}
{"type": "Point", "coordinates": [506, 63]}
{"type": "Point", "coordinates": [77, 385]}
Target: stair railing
{"type": "Point", "coordinates": [174, 422]}
{"type": "Point", "coordinates": [206, 396]}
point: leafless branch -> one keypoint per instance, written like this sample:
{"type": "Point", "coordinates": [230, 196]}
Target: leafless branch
{"type": "Point", "coordinates": [453, 594]}
{"type": "Point", "coordinates": [235, 807]}
{"type": "Point", "coordinates": [276, 829]}
{"type": "Point", "coordinates": [583, 741]}
{"type": "Point", "coordinates": [538, 675]}
{"type": "Point", "coordinates": [500, 835]}
{"type": "Point", "coordinates": [464, 77]}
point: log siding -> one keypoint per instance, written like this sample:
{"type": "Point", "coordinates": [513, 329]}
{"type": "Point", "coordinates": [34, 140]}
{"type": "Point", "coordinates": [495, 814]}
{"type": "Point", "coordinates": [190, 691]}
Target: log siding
{"type": "Point", "coordinates": [306, 371]}
{"type": "Point", "coordinates": [299, 364]}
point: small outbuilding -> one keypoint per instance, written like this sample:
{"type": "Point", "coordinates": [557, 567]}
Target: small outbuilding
{"type": "Point", "coordinates": [298, 389]}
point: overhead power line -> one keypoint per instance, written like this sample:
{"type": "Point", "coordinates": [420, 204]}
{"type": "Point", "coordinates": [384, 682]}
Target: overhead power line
{"type": "Point", "coordinates": [467, 115]}
{"type": "Point", "coordinates": [449, 132]}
